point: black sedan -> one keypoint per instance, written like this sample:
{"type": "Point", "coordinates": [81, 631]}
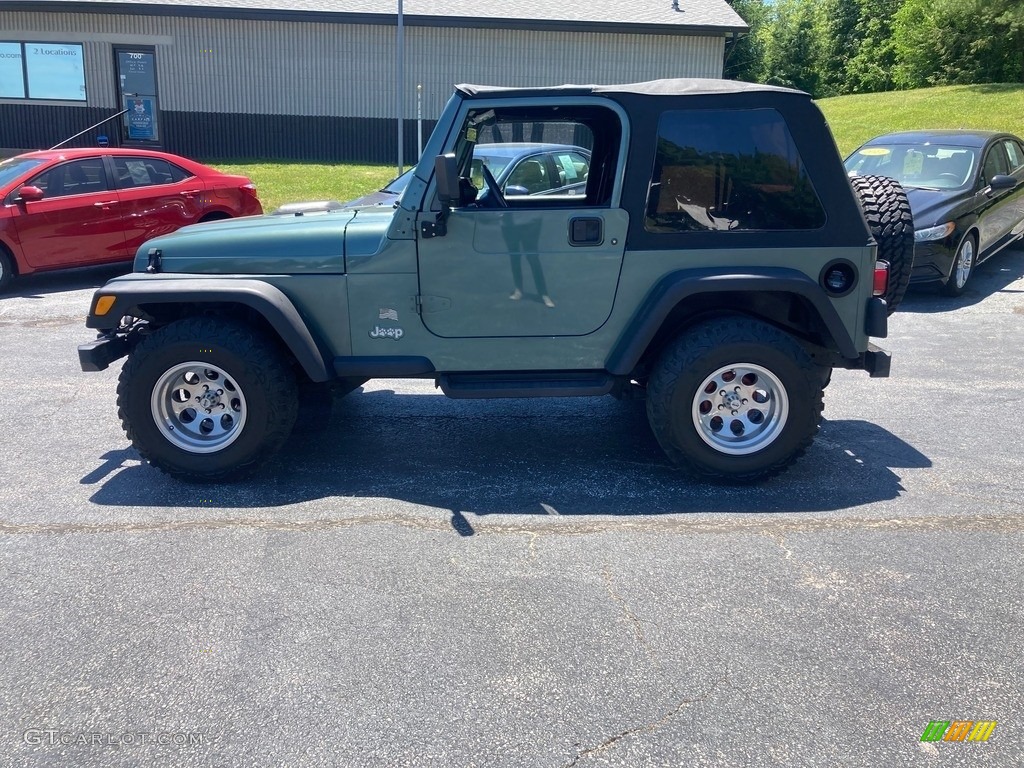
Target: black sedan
{"type": "Point", "coordinates": [966, 191]}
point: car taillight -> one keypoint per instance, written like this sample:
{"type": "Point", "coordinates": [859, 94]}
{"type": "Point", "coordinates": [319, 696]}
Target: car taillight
{"type": "Point", "coordinates": [249, 189]}
{"type": "Point", "coordinates": [881, 282]}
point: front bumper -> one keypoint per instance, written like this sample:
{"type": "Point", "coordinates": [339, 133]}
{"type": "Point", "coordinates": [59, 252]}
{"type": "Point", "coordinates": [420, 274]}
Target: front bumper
{"type": "Point", "coordinates": [932, 261]}
{"type": "Point", "coordinates": [99, 354]}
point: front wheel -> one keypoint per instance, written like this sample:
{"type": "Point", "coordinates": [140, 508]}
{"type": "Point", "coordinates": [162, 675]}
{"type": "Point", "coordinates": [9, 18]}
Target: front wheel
{"type": "Point", "coordinates": [960, 272]}
{"type": "Point", "coordinates": [6, 269]}
{"type": "Point", "coordinates": [206, 398]}
{"type": "Point", "coordinates": [735, 399]}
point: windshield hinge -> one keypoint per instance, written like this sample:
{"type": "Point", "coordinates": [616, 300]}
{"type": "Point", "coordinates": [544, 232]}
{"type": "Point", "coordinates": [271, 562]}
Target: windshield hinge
{"type": "Point", "coordinates": [436, 228]}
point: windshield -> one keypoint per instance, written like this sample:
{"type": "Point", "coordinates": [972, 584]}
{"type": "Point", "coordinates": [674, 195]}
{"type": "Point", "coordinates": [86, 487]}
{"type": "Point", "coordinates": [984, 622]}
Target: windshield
{"type": "Point", "coordinates": [932, 166]}
{"type": "Point", "coordinates": [397, 186]}
{"type": "Point", "coordinates": [15, 167]}
{"type": "Point", "coordinates": [495, 164]}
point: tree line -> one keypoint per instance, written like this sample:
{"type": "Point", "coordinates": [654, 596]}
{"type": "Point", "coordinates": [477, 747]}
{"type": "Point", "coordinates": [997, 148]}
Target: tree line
{"type": "Point", "coordinates": [835, 47]}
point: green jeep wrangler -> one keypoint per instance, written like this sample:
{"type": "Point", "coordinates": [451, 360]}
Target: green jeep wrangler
{"type": "Point", "coordinates": [697, 243]}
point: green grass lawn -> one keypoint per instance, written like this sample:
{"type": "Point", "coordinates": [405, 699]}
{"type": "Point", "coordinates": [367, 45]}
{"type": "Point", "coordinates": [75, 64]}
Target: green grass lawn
{"type": "Point", "coordinates": [855, 119]}
{"type": "Point", "coordinates": [280, 182]}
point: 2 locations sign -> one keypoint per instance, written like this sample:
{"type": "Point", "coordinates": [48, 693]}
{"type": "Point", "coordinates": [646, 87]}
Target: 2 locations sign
{"type": "Point", "coordinates": [42, 71]}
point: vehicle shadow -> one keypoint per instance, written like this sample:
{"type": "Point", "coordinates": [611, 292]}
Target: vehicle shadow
{"type": "Point", "coordinates": [477, 458]}
{"type": "Point", "coordinates": [40, 284]}
{"type": "Point", "coordinates": [995, 275]}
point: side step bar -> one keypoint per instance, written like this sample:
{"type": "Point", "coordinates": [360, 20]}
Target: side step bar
{"type": "Point", "coordinates": [461, 386]}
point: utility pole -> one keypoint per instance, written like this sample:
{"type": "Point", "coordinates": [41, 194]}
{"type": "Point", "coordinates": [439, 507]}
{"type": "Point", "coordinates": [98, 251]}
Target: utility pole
{"type": "Point", "coordinates": [400, 88]}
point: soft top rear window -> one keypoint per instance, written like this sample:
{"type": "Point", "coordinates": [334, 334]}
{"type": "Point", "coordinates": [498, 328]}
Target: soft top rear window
{"type": "Point", "coordinates": [727, 170]}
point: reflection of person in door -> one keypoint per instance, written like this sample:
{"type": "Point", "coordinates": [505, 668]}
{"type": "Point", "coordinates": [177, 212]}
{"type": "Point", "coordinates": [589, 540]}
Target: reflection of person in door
{"type": "Point", "coordinates": [521, 239]}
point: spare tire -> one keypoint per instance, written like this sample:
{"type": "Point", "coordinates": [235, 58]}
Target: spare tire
{"type": "Point", "coordinates": [887, 212]}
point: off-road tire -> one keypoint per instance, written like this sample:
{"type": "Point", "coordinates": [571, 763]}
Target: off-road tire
{"type": "Point", "coordinates": [887, 210]}
{"type": "Point", "coordinates": [254, 364]}
{"type": "Point", "coordinates": [675, 397]}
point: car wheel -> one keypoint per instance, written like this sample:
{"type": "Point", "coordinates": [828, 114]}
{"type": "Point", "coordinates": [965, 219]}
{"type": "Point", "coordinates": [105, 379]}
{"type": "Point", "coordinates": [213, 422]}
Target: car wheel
{"type": "Point", "coordinates": [734, 399]}
{"type": "Point", "coordinates": [885, 206]}
{"type": "Point", "coordinates": [6, 269]}
{"type": "Point", "coordinates": [960, 272]}
{"type": "Point", "coordinates": [206, 399]}
{"type": "Point", "coordinates": [217, 216]}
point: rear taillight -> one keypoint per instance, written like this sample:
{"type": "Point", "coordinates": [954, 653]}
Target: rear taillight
{"type": "Point", "coordinates": [249, 189]}
{"type": "Point", "coordinates": [881, 281]}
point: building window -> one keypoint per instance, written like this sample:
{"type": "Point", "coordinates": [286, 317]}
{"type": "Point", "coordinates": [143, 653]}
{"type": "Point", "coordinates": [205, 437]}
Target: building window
{"type": "Point", "coordinates": [724, 170]}
{"type": "Point", "coordinates": [54, 71]}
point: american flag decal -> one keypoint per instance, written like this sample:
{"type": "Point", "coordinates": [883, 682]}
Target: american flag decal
{"type": "Point", "coordinates": [388, 314]}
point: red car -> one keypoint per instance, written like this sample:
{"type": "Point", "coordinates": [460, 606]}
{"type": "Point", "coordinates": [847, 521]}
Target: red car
{"type": "Point", "coordinates": [73, 207]}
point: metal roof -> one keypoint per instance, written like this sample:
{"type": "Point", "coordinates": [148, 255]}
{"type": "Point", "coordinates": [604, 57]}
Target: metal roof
{"type": "Point", "coordinates": [662, 16]}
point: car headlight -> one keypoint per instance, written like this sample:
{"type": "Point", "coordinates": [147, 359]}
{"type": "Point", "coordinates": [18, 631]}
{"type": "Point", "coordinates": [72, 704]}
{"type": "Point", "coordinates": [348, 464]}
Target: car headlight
{"type": "Point", "coordinates": [940, 232]}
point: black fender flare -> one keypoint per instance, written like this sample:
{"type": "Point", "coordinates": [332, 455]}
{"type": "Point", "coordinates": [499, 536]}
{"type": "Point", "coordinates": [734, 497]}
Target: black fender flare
{"type": "Point", "coordinates": [130, 295]}
{"type": "Point", "coordinates": [677, 286]}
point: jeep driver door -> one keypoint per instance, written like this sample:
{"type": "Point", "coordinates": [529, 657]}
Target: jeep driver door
{"type": "Point", "coordinates": [535, 253]}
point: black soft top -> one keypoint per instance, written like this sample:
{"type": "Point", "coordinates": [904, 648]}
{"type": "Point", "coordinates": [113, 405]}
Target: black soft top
{"type": "Point", "coordinates": [646, 103]}
{"type": "Point", "coordinates": [690, 86]}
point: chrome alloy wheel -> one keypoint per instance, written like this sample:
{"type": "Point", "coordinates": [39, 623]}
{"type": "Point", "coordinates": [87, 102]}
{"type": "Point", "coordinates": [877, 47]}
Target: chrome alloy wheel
{"type": "Point", "coordinates": [198, 407]}
{"type": "Point", "coordinates": [740, 409]}
{"type": "Point", "coordinates": [964, 262]}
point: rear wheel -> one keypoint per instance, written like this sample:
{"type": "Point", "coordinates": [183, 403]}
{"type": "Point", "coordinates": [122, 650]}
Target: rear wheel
{"type": "Point", "coordinates": [206, 398]}
{"type": "Point", "coordinates": [735, 399]}
{"type": "Point", "coordinates": [960, 272]}
{"type": "Point", "coordinates": [887, 211]}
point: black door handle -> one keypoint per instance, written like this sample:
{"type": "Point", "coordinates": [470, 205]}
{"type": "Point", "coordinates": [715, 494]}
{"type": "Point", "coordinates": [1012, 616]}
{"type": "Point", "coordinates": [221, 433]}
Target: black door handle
{"type": "Point", "coordinates": [586, 230]}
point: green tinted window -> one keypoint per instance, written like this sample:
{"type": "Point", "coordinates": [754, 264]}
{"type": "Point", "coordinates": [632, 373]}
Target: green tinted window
{"type": "Point", "coordinates": [724, 170]}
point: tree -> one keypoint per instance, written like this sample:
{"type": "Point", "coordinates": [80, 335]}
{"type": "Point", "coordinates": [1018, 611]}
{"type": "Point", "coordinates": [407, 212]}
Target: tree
{"type": "Point", "coordinates": [944, 42]}
{"type": "Point", "coordinates": [744, 56]}
{"type": "Point", "coordinates": [836, 28]}
{"type": "Point", "coordinates": [872, 67]}
{"type": "Point", "coordinates": [791, 45]}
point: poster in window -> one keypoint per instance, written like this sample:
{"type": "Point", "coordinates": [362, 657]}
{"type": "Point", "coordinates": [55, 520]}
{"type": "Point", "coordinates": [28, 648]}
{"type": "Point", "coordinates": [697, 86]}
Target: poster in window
{"type": "Point", "coordinates": [55, 71]}
{"type": "Point", "coordinates": [141, 118]}
{"type": "Point", "coordinates": [12, 74]}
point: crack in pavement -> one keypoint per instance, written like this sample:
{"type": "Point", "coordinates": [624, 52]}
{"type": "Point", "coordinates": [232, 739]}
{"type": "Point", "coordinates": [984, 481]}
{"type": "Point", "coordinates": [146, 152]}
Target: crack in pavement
{"type": "Point", "coordinates": [564, 525]}
{"type": "Point", "coordinates": [618, 599]}
{"type": "Point", "coordinates": [810, 577]}
{"type": "Point", "coordinates": [647, 727]}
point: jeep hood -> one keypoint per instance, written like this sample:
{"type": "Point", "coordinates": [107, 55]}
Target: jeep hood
{"type": "Point", "coordinates": [313, 243]}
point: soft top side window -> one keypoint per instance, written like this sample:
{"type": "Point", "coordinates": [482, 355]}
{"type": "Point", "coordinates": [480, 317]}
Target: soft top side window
{"type": "Point", "coordinates": [539, 157]}
{"type": "Point", "coordinates": [724, 170]}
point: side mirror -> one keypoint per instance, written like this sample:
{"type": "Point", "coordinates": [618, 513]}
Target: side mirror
{"type": "Point", "coordinates": [514, 190]}
{"type": "Point", "coordinates": [1002, 181]}
{"type": "Point", "coordinates": [30, 194]}
{"type": "Point", "coordinates": [446, 171]}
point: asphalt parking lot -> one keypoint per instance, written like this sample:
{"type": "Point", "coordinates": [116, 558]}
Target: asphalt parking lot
{"type": "Point", "coordinates": [518, 583]}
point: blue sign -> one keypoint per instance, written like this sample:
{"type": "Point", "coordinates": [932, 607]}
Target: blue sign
{"type": "Point", "coordinates": [141, 119]}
